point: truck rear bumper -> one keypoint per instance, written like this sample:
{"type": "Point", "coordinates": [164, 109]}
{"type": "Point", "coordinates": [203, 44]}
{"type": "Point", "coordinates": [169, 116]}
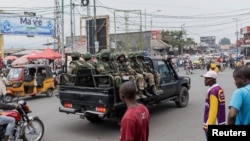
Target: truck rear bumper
{"type": "Point", "coordinates": [77, 112]}
{"type": "Point", "coordinates": [67, 110]}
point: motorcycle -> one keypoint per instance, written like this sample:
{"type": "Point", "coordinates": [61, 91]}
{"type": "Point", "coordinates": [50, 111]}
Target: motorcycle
{"type": "Point", "coordinates": [27, 128]}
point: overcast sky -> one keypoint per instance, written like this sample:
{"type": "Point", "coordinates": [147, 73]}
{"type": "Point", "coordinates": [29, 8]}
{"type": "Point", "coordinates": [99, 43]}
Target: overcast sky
{"type": "Point", "coordinates": [197, 17]}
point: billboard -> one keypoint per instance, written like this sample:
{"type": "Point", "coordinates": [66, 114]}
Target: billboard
{"type": "Point", "coordinates": [26, 25]}
{"type": "Point", "coordinates": [210, 40]}
{"type": "Point", "coordinates": [102, 32]}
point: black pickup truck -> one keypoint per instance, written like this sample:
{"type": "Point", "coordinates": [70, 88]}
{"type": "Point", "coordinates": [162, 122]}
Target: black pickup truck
{"type": "Point", "coordinates": [97, 102]}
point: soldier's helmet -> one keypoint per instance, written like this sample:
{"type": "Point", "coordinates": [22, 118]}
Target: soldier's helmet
{"type": "Point", "coordinates": [131, 55]}
{"type": "Point", "coordinates": [75, 55]}
{"type": "Point", "coordinates": [140, 54]}
{"type": "Point", "coordinates": [119, 55]}
{"type": "Point", "coordinates": [112, 56]}
{"type": "Point", "coordinates": [87, 56]}
{"type": "Point", "coordinates": [98, 56]}
{"type": "Point", "coordinates": [105, 53]}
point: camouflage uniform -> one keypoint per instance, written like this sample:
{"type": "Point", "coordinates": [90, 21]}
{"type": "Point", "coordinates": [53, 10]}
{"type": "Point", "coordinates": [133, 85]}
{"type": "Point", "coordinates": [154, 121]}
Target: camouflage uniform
{"type": "Point", "coordinates": [124, 68]}
{"type": "Point", "coordinates": [88, 62]}
{"type": "Point", "coordinates": [98, 56]}
{"type": "Point", "coordinates": [104, 67]}
{"type": "Point", "coordinates": [113, 69]}
{"type": "Point", "coordinates": [149, 74]}
{"type": "Point", "coordinates": [136, 67]}
{"type": "Point", "coordinates": [75, 63]}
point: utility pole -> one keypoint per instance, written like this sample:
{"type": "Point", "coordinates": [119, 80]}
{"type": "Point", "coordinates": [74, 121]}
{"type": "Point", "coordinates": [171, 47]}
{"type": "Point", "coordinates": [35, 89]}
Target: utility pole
{"type": "Point", "coordinates": [74, 21]}
{"type": "Point", "coordinates": [140, 45]}
{"type": "Point", "coordinates": [96, 42]}
{"type": "Point", "coordinates": [57, 25]}
{"type": "Point", "coordinates": [62, 46]}
{"type": "Point", "coordinates": [87, 22]}
{"type": "Point", "coordinates": [151, 18]}
{"type": "Point", "coordinates": [237, 37]}
{"type": "Point", "coordinates": [127, 47]}
{"type": "Point", "coordinates": [145, 20]}
{"type": "Point", "coordinates": [236, 33]}
{"type": "Point", "coordinates": [1, 44]}
{"type": "Point", "coordinates": [184, 34]}
{"type": "Point", "coordinates": [127, 24]}
{"type": "Point", "coordinates": [71, 25]}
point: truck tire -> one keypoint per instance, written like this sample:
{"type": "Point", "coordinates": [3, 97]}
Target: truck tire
{"type": "Point", "coordinates": [8, 98]}
{"type": "Point", "coordinates": [93, 118]}
{"type": "Point", "coordinates": [49, 93]}
{"type": "Point", "coordinates": [183, 98]}
{"type": "Point", "coordinates": [248, 64]}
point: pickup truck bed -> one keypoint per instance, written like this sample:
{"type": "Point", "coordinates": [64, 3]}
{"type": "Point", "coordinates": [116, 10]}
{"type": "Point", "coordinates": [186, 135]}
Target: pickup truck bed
{"type": "Point", "coordinates": [97, 101]}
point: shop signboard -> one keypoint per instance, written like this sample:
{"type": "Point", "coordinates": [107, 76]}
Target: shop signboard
{"type": "Point", "coordinates": [26, 25]}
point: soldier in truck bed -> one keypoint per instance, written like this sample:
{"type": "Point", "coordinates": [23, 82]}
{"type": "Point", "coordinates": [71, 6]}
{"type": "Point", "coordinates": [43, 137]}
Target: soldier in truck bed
{"type": "Point", "coordinates": [104, 67]}
{"type": "Point", "coordinates": [75, 63]}
{"type": "Point", "coordinates": [88, 62]}
{"type": "Point", "coordinates": [145, 69]}
{"type": "Point", "coordinates": [124, 68]}
{"type": "Point", "coordinates": [135, 66]}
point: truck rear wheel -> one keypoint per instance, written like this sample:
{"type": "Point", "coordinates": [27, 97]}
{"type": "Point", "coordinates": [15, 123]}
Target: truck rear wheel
{"type": "Point", "coordinates": [183, 98]}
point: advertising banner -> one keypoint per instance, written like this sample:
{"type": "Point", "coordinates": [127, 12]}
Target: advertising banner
{"type": "Point", "coordinates": [26, 25]}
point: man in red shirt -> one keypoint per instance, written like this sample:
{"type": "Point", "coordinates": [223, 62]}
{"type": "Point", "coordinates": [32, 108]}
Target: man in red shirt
{"type": "Point", "coordinates": [135, 122]}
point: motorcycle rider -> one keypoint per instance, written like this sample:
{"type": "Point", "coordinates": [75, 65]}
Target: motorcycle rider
{"type": "Point", "coordinates": [10, 121]}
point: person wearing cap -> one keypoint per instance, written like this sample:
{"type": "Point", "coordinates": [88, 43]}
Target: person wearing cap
{"type": "Point", "coordinates": [215, 108]}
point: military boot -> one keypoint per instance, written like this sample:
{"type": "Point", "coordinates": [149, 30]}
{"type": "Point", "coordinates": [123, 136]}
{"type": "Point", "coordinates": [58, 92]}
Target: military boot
{"type": "Point", "coordinates": [156, 91]}
{"type": "Point", "coordinates": [141, 95]}
{"type": "Point", "coordinates": [148, 94]}
{"type": "Point", "coordinates": [137, 97]}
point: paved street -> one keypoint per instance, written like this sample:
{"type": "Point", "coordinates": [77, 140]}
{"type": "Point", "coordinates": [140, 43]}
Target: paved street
{"type": "Point", "coordinates": [167, 121]}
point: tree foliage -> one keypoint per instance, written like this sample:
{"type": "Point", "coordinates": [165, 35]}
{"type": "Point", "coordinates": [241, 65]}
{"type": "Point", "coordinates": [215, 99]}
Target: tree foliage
{"type": "Point", "coordinates": [225, 41]}
{"type": "Point", "coordinates": [176, 39]}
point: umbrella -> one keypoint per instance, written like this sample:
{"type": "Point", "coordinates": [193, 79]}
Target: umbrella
{"type": "Point", "coordinates": [20, 61]}
{"type": "Point", "coordinates": [46, 54]}
{"type": "Point", "coordinates": [32, 53]}
{"type": "Point", "coordinates": [10, 58]}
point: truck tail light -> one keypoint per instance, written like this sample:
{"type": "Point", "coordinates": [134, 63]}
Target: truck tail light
{"type": "Point", "coordinates": [101, 109]}
{"type": "Point", "coordinates": [67, 105]}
